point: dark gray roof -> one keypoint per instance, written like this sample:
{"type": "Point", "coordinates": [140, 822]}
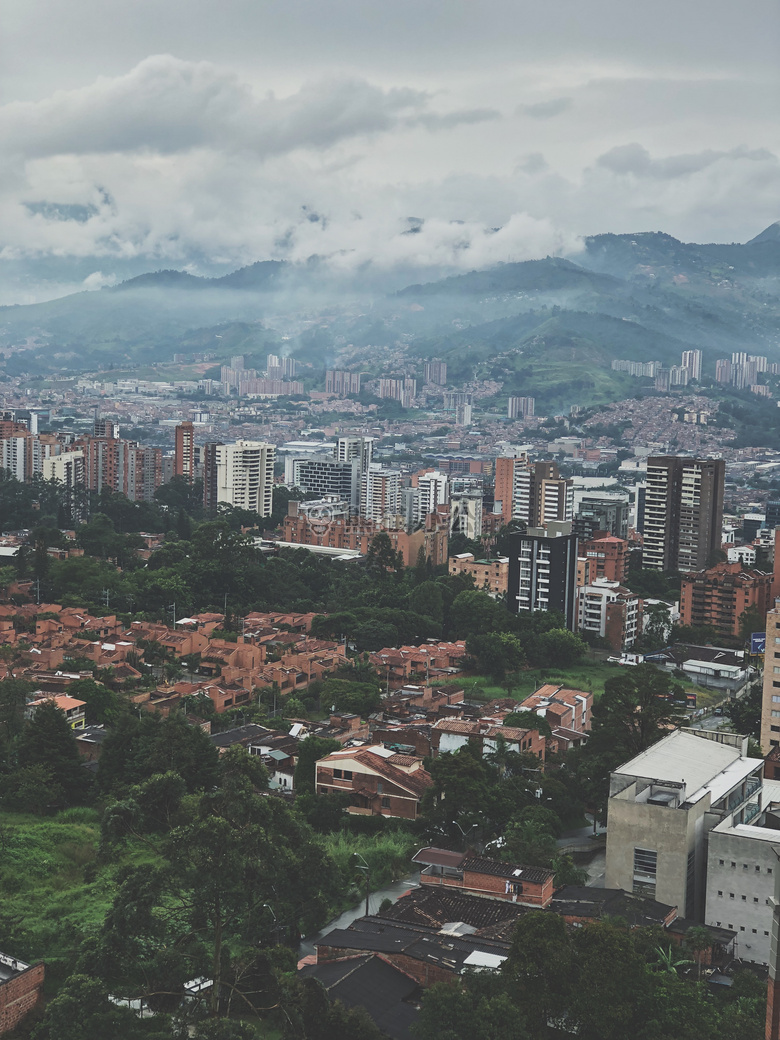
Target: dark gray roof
{"type": "Point", "coordinates": [374, 984]}
{"type": "Point", "coordinates": [435, 907]}
{"type": "Point", "coordinates": [239, 735]}
{"type": "Point", "coordinates": [579, 901]}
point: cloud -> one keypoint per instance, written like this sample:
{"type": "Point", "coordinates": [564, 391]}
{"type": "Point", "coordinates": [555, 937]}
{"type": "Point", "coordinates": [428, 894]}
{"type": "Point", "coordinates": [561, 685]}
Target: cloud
{"type": "Point", "coordinates": [546, 109]}
{"type": "Point", "coordinates": [635, 159]}
{"type": "Point", "coordinates": [166, 105]}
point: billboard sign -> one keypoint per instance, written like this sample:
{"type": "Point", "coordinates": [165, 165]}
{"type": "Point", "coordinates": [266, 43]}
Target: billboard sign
{"type": "Point", "coordinates": [757, 642]}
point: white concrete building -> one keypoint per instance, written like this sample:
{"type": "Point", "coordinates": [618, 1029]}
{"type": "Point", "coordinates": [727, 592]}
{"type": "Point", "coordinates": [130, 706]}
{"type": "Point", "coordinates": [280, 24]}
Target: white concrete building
{"type": "Point", "coordinates": [381, 493]}
{"type": "Point", "coordinates": [742, 863]}
{"type": "Point", "coordinates": [607, 609]}
{"type": "Point", "coordinates": [245, 475]}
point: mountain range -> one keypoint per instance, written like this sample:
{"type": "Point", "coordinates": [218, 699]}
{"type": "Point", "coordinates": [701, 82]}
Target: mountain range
{"type": "Point", "coordinates": [548, 327]}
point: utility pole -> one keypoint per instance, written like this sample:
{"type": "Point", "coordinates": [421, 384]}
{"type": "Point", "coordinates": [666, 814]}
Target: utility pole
{"type": "Point", "coordinates": [367, 871]}
{"type": "Point", "coordinates": [106, 597]}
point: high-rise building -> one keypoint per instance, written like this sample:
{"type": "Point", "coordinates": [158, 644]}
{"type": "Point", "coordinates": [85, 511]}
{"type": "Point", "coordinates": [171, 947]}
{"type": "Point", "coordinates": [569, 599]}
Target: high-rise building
{"type": "Point", "coordinates": [433, 488]}
{"type": "Point", "coordinates": [342, 383]}
{"type": "Point", "coordinates": [466, 514]}
{"type": "Point", "coordinates": [381, 493]}
{"type": "Point", "coordinates": [245, 475]}
{"type": "Point", "coordinates": [692, 359]}
{"type": "Point", "coordinates": [532, 492]}
{"type": "Point", "coordinates": [209, 457]}
{"type": "Point", "coordinates": [543, 571]}
{"type": "Point", "coordinates": [723, 371]}
{"type": "Point", "coordinates": [322, 475]}
{"type": "Point", "coordinates": [683, 512]}
{"type": "Point", "coordinates": [359, 448]}
{"type": "Point", "coordinates": [184, 451]}
{"type": "Point", "coordinates": [600, 512]}
{"type": "Point", "coordinates": [719, 596]}
{"type": "Point", "coordinates": [105, 428]}
{"type": "Point", "coordinates": [463, 415]}
{"type": "Point", "coordinates": [520, 407]}
{"type": "Point", "coordinates": [435, 371]}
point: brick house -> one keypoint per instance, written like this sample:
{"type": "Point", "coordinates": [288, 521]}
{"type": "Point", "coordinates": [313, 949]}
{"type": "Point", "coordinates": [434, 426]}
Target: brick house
{"type": "Point", "coordinates": [490, 878]}
{"type": "Point", "coordinates": [381, 782]}
{"type": "Point", "coordinates": [452, 734]}
{"type": "Point", "coordinates": [21, 989]}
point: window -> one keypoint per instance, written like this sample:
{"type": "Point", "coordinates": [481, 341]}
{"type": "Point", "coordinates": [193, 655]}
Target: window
{"type": "Point", "coordinates": [742, 928]}
{"type": "Point", "coordinates": [744, 899]}
{"type": "Point", "coordinates": [744, 866]}
{"type": "Point", "coordinates": [347, 774]}
{"type": "Point", "coordinates": [733, 865]}
{"type": "Point", "coordinates": [379, 788]}
{"type": "Point", "coordinates": [720, 893]}
{"type": "Point", "coordinates": [722, 862]}
{"type": "Point", "coordinates": [731, 895]}
{"type": "Point", "coordinates": [775, 699]}
{"type": "Point", "coordinates": [755, 932]}
{"type": "Point", "coordinates": [755, 899]}
{"type": "Point", "coordinates": [385, 802]}
{"type": "Point", "coordinates": [758, 868]}
{"type": "Point", "coordinates": [645, 867]}
{"type": "Point", "coordinates": [776, 714]}
{"type": "Point", "coordinates": [337, 774]}
{"type": "Point", "coordinates": [766, 933]}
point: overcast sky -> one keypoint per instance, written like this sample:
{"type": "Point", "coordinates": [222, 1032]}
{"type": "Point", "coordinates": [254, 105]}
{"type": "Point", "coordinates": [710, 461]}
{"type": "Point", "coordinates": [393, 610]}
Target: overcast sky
{"type": "Point", "coordinates": [188, 131]}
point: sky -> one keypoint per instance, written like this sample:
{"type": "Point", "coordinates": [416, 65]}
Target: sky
{"type": "Point", "coordinates": [200, 134]}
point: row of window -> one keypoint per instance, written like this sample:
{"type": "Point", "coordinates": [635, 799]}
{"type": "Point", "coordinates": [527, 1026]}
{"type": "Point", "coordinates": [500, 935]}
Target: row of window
{"type": "Point", "coordinates": [741, 928]}
{"type": "Point", "coordinates": [744, 898]}
{"type": "Point", "coordinates": [745, 866]}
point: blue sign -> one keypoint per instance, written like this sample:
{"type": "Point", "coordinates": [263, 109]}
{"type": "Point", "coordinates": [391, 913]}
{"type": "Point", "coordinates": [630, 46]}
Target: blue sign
{"type": "Point", "coordinates": [757, 642]}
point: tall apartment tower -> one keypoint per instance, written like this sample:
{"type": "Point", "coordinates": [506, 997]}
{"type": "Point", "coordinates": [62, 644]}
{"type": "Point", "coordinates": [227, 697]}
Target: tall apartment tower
{"type": "Point", "coordinates": [434, 491]}
{"type": "Point", "coordinates": [209, 456]}
{"type": "Point", "coordinates": [435, 371]}
{"type": "Point", "coordinates": [683, 513]}
{"type": "Point", "coordinates": [381, 496]}
{"type": "Point", "coordinates": [692, 359]}
{"type": "Point", "coordinates": [533, 492]}
{"type": "Point", "coordinates": [184, 451]}
{"type": "Point", "coordinates": [245, 475]}
{"type": "Point", "coordinates": [543, 571]}
{"type": "Point", "coordinates": [360, 448]}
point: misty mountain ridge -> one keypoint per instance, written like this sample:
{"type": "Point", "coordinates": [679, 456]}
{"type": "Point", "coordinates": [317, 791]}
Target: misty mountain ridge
{"type": "Point", "coordinates": [548, 327]}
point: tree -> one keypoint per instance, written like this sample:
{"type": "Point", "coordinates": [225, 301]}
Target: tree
{"type": "Point", "coordinates": [558, 647]}
{"type": "Point", "coordinates": [82, 1009]}
{"type": "Point", "coordinates": [475, 613]}
{"type": "Point", "coordinates": [48, 742]}
{"type": "Point", "coordinates": [469, 1010]}
{"type": "Point", "coordinates": [745, 712]}
{"type": "Point", "coordinates": [223, 879]}
{"type": "Point", "coordinates": [310, 751]}
{"type": "Point", "coordinates": [496, 653]}
{"type": "Point", "coordinates": [357, 697]}
{"type": "Point", "coordinates": [608, 1003]}
{"type": "Point", "coordinates": [539, 970]}
{"type": "Point", "coordinates": [530, 843]}
{"type": "Point", "coordinates": [102, 705]}
{"type": "Point", "coordinates": [528, 720]}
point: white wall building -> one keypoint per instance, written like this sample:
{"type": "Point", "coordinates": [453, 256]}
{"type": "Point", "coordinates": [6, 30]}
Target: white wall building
{"type": "Point", "coordinates": [245, 475]}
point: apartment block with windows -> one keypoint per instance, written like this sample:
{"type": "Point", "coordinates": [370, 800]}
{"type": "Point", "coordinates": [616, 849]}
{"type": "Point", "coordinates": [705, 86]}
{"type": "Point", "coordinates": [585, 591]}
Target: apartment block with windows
{"type": "Point", "coordinates": [683, 512]}
{"type": "Point", "coordinates": [543, 571]}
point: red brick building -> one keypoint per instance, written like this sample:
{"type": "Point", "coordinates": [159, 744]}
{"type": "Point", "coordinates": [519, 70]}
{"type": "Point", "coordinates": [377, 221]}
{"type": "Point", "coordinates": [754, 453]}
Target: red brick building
{"type": "Point", "coordinates": [720, 595]}
{"type": "Point", "coordinates": [21, 988]}
{"type": "Point", "coordinates": [608, 556]}
{"type": "Point", "coordinates": [490, 878]}
{"type": "Point", "coordinates": [381, 782]}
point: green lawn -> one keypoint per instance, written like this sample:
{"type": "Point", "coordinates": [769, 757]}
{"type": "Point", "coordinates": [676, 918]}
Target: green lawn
{"type": "Point", "coordinates": [588, 675]}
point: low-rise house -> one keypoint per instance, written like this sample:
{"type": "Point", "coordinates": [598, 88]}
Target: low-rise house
{"type": "Point", "coordinates": [492, 576]}
{"type": "Point", "coordinates": [74, 710]}
{"type": "Point", "coordinates": [380, 782]}
{"type": "Point", "coordinates": [452, 734]}
{"type": "Point", "coordinates": [529, 886]}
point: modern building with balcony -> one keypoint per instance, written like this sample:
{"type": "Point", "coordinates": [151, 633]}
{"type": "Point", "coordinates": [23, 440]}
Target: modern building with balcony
{"type": "Point", "coordinates": [663, 807]}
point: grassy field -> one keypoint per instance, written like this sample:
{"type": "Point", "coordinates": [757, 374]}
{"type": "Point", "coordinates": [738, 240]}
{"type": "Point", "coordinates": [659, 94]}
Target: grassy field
{"type": "Point", "coordinates": [588, 675]}
{"type": "Point", "coordinates": [53, 893]}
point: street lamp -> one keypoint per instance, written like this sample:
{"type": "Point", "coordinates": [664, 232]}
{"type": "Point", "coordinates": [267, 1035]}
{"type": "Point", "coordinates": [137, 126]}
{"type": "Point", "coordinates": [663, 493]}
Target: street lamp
{"type": "Point", "coordinates": [367, 871]}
